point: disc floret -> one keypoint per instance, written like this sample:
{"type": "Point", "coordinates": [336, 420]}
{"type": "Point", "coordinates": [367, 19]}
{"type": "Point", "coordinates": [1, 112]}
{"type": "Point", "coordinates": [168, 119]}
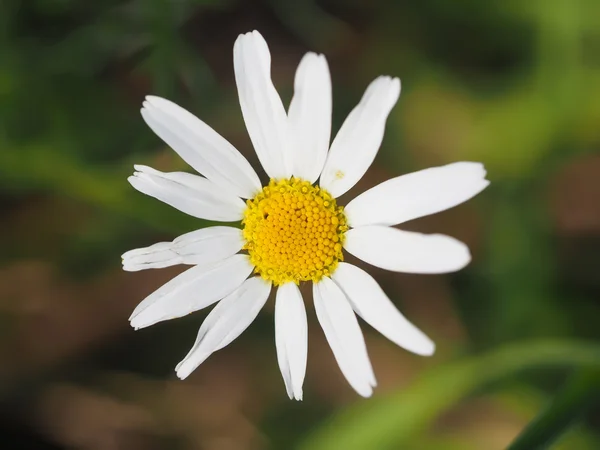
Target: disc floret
{"type": "Point", "coordinates": [294, 231]}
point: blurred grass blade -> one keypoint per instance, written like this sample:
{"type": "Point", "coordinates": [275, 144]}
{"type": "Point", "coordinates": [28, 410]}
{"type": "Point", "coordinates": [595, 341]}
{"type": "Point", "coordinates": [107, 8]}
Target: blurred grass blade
{"type": "Point", "coordinates": [580, 393]}
{"type": "Point", "coordinates": [389, 421]}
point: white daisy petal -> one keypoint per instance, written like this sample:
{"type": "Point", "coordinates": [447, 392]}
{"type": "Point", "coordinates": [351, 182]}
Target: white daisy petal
{"type": "Point", "coordinates": [406, 251]}
{"type": "Point", "coordinates": [291, 338]}
{"type": "Point", "coordinates": [370, 302]}
{"type": "Point", "coordinates": [261, 105]}
{"type": "Point", "coordinates": [156, 256]}
{"type": "Point", "coordinates": [203, 246]}
{"type": "Point", "coordinates": [417, 194]}
{"type": "Point", "coordinates": [194, 289]}
{"type": "Point", "coordinates": [344, 335]}
{"type": "Point", "coordinates": [356, 144]}
{"type": "Point", "coordinates": [189, 193]}
{"type": "Point", "coordinates": [201, 147]}
{"type": "Point", "coordinates": [310, 117]}
{"type": "Point", "coordinates": [226, 321]}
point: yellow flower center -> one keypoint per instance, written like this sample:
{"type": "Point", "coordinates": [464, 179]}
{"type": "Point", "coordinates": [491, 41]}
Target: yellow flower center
{"type": "Point", "coordinates": [294, 231]}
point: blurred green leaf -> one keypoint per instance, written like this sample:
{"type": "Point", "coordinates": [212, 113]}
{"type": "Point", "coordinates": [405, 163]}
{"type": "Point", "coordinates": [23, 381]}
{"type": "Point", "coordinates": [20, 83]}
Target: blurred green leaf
{"type": "Point", "coordinates": [41, 167]}
{"type": "Point", "coordinates": [312, 24]}
{"type": "Point", "coordinates": [388, 422]}
{"type": "Point", "coordinates": [582, 391]}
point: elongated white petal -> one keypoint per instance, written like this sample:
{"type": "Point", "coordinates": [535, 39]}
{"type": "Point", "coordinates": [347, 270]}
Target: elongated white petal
{"type": "Point", "coordinates": [356, 144]}
{"type": "Point", "coordinates": [201, 147]}
{"type": "Point", "coordinates": [417, 194]}
{"type": "Point", "coordinates": [344, 335]}
{"type": "Point", "coordinates": [189, 193]}
{"type": "Point", "coordinates": [226, 321]}
{"type": "Point", "coordinates": [291, 338]}
{"type": "Point", "coordinates": [203, 246]}
{"type": "Point", "coordinates": [370, 302]}
{"type": "Point", "coordinates": [194, 289]}
{"type": "Point", "coordinates": [310, 117]}
{"type": "Point", "coordinates": [155, 256]}
{"type": "Point", "coordinates": [261, 105]}
{"type": "Point", "coordinates": [406, 251]}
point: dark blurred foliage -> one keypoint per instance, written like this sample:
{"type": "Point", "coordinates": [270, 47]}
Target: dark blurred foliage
{"type": "Point", "coordinates": [513, 84]}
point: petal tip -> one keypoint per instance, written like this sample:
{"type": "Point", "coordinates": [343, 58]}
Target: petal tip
{"type": "Point", "coordinates": [366, 393]}
{"type": "Point", "coordinates": [429, 351]}
{"type": "Point", "coordinates": [248, 35]}
{"type": "Point", "coordinates": [136, 322]}
{"type": "Point", "coordinates": [140, 167]}
{"type": "Point", "coordinates": [185, 368]}
{"type": "Point", "coordinates": [425, 348]}
{"type": "Point", "coordinates": [466, 255]}
{"type": "Point", "coordinates": [180, 373]}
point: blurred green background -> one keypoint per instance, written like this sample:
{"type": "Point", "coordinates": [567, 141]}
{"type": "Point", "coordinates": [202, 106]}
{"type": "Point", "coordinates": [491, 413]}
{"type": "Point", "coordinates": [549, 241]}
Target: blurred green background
{"type": "Point", "coordinates": [513, 84]}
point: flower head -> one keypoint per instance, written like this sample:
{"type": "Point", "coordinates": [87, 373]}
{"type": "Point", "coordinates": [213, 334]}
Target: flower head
{"type": "Point", "coordinates": [293, 230]}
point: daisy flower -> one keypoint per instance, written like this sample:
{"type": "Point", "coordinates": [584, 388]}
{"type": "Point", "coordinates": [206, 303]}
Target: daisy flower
{"type": "Point", "coordinates": [293, 230]}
